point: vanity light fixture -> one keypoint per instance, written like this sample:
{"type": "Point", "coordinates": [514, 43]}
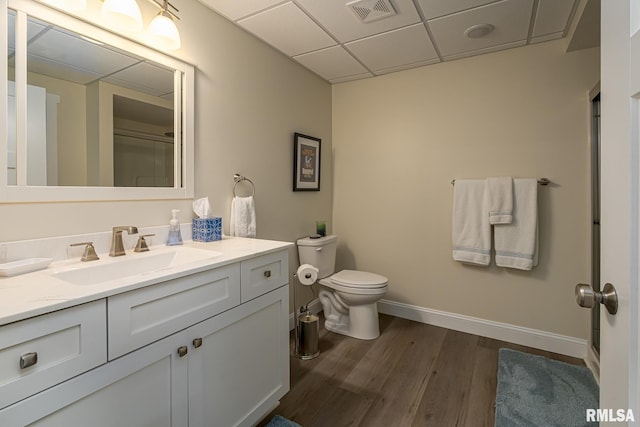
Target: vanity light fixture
{"type": "Point", "coordinates": [122, 14]}
{"type": "Point", "coordinates": [478, 31]}
{"type": "Point", "coordinates": [69, 5]}
{"type": "Point", "coordinates": [162, 29]}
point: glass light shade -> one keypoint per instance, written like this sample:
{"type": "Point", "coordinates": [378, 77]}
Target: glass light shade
{"type": "Point", "coordinates": [164, 33]}
{"type": "Point", "coordinates": [122, 14]}
{"type": "Point", "coordinates": [68, 5]}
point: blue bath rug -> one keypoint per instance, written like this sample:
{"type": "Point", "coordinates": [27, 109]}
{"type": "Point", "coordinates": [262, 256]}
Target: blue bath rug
{"type": "Point", "coordinates": [537, 391]}
{"type": "Point", "coordinates": [278, 421]}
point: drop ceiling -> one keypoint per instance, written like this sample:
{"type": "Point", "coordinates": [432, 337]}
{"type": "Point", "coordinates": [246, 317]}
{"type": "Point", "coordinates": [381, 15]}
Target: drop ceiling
{"type": "Point", "coordinates": [62, 54]}
{"type": "Point", "coordinates": [331, 39]}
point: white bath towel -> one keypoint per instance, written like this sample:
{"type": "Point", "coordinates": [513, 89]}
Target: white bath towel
{"type": "Point", "coordinates": [471, 231]}
{"type": "Point", "coordinates": [243, 217]}
{"type": "Point", "coordinates": [517, 243]}
{"type": "Point", "coordinates": [499, 194]}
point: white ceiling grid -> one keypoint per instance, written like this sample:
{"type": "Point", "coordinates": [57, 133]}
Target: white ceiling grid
{"type": "Point", "coordinates": [327, 37]}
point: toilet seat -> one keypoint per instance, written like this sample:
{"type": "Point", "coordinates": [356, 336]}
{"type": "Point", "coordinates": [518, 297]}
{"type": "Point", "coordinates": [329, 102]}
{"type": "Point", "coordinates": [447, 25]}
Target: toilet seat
{"type": "Point", "coordinates": [358, 279]}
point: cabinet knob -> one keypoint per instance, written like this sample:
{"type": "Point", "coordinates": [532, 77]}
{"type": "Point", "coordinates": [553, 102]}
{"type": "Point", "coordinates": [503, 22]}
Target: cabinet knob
{"type": "Point", "coordinates": [197, 342]}
{"type": "Point", "coordinates": [182, 351]}
{"type": "Point", "coordinates": [28, 359]}
{"type": "Point", "coordinates": [267, 273]}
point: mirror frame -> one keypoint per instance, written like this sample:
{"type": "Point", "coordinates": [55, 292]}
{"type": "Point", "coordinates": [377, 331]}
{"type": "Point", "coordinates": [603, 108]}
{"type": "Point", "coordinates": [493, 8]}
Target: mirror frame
{"type": "Point", "coordinates": [183, 110]}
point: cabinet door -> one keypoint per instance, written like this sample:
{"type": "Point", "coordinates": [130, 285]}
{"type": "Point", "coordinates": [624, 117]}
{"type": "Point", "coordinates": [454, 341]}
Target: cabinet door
{"type": "Point", "coordinates": [139, 317]}
{"type": "Point", "coordinates": [145, 388]}
{"type": "Point", "coordinates": [241, 368]}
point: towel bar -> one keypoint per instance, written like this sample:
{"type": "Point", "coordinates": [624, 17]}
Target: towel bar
{"type": "Point", "coordinates": [541, 181]}
{"type": "Point", "coordinates": [237, 178]}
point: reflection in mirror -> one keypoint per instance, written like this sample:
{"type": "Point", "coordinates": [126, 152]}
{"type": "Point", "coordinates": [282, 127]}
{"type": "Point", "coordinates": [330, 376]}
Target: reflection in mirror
{"type": "Point", "coordinates": [11, 102]}
{"type": "Point", "coordinates": [96, 115]}
{"type": "Point", "coordinates": [142, 144]}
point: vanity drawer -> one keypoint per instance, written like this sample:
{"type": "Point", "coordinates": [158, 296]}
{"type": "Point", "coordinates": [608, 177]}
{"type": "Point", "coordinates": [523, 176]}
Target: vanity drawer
{"type": "Point", "coordinates": [264, 274]}
{"type": "Point", "coordinates": [140, 317]}
{"type": "Point", "coordinates": [46, 350]}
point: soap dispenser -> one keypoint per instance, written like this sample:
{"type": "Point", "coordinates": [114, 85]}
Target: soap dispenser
{"type": "Point", "coordinates": [175, 237]}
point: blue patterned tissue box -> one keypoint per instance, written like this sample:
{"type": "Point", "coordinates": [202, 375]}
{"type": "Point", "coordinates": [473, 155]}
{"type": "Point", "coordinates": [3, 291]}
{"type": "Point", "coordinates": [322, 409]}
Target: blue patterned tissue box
{"type": "Point", "coordinates": [206, 229]}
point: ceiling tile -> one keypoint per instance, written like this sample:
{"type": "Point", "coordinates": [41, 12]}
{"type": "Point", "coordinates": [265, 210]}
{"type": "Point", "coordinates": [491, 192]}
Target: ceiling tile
{"type": "Point", "coordinates": [485, 50]}
{"type": "Point", "coordinates": [509, 17]}
{"type": "Point", "coordinates": [332, 63]}
{"type": "Point", "coordinates": [236, 9]}
{"type": "Point", "coordinates": [350, 78]}
{"type": "Point", "coordinates": [394, 48]}
{"type": "Point", "coordinates": [406, 66]}
{"type": "Point", "coordinates": [62, 50]}
{"type": "Point", "coordinates": [288, 29]}
{"type": "Point", "coordinates": [552, 16]}
{"type": "Point", "coordinates": [547, 37]}
{"type": "Point", "coordinates": [146, 78]}
{"type": "Point", "coordinates": [345, 26]}
{"type": "Point", "coordinates": [436, 8]}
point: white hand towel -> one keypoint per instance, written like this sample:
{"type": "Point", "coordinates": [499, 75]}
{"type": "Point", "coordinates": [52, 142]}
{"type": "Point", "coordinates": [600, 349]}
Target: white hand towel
{"type": "Point", "coordinates": [471, 231]}
{"type": "Point", "coordinates": [243, 217]}
{"type": "Point", "coordinates": [499, 193]}
{"type": "Point", "coordinates": [516, 243]}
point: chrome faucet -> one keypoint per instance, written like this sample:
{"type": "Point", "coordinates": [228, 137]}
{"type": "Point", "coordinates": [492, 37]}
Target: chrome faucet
{"type": "Point", "coordinates": [117, 248]}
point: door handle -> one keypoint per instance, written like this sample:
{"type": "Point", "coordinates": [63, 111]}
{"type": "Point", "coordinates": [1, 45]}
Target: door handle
{"type": "Point", "coordinates": [587, 297]}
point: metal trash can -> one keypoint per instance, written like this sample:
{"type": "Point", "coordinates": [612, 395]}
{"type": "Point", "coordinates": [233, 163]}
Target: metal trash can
{"type": "Point", "coordinates": [307, 336]}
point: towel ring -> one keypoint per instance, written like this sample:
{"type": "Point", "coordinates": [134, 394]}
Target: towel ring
{"type": "Point", "coordinates": [237, 178]}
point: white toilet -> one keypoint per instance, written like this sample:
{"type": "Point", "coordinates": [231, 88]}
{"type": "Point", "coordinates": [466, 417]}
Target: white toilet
{"type": "Point", "coordinates": [349, 298]}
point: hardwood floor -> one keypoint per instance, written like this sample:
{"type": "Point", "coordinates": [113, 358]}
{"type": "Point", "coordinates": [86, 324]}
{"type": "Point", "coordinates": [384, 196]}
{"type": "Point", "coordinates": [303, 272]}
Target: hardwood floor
{"type": "Point", "coordinates": [412, 375]}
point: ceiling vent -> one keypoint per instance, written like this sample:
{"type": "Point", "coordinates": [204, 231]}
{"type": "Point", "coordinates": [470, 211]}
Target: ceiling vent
{"type": "Point", "coordinates": [371, 10]}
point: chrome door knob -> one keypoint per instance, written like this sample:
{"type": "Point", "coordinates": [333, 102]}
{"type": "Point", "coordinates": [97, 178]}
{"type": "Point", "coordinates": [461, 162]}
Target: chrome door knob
{"type": "Point", "coordinates": [587, 297]}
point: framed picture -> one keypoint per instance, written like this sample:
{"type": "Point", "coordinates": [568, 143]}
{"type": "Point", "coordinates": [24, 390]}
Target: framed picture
{"type": "Point", "coordinates": [306, 163]}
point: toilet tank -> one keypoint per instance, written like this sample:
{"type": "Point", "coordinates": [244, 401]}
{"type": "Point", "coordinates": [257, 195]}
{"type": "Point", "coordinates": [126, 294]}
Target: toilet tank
{"type": "Point", "coordinates": [320, 252]}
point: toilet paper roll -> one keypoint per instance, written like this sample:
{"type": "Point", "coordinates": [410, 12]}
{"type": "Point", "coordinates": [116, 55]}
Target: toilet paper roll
{"type": "Point", "coordinates": [307, 274]}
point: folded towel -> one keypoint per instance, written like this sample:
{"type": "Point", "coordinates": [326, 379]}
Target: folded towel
{"type": "Point", "coordinates": [499, 194]}
{"type": "Point", "coordinates": [471, 231]}
{"type": "Point", "coordinates": [516, 243]}
{"type": "Point", "coordinates": [243, 217]}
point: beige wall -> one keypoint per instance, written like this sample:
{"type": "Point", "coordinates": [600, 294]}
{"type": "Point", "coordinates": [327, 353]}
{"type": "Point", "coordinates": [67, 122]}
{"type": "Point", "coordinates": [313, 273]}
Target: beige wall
{"type": "Point", "coordinates": [400, 139]}
{"type": "Point", "coordinates": [250, 100]}
{"type": "Point", "coordinates": [72, 168]}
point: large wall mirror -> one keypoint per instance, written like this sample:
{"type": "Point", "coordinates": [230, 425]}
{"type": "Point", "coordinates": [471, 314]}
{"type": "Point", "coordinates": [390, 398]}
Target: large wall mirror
{"type": "Point", "coordinates": [90, 115]}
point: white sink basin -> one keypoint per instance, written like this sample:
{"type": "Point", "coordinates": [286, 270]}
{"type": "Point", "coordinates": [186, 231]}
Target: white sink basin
{"type": "Point", "coordinates": [133, 264]}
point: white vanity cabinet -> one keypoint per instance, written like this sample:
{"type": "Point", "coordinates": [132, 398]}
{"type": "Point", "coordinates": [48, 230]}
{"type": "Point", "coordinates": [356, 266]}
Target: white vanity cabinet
{"type": "Point", "coordinates": [184, 352]}
{"type": "Point", "coordinates": [241, 368]}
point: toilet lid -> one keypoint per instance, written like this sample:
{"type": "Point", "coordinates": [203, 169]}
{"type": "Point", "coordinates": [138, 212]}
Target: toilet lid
{"type": "Point", "coordinates": [359, 279]}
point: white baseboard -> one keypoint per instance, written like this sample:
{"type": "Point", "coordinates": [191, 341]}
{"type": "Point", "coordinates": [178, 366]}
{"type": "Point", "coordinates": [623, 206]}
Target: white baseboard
{"type": "Point", "coordinates": [314, 306]}
{"type": "Point", "coordinates": [593, 362]}
{"type": "Point", "coordinates": [547, 341]}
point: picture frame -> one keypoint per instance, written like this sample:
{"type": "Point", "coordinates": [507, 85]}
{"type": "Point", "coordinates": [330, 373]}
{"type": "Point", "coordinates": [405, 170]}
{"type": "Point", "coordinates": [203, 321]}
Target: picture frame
{"type": "Point", "coordinates": [306, 162]}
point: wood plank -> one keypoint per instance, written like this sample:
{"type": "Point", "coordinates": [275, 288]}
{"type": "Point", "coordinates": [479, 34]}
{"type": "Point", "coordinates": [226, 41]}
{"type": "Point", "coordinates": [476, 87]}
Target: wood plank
{"type": "Point", "coordinates": [413, 374]}
{"type": "Point", "coordinates": [342, 408]}
{"type": "Point", "coordinates": [482, 392]}
{"type": "Point", "coordinates": [379, 361]}
{"type": "Point", "coordinates": [445, 399]}
{"type": "Point", "coordinates": [404, 387]}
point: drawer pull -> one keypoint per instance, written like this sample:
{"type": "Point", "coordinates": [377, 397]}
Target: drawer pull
{"type": "Point", "coordinates": [28, 359]}
{"type": "Point", "coordinates": [267, 273]}
{"type": "Point", "coordinates": [197, 342]}
{"type": "Point", "coordinates": [182, 351]}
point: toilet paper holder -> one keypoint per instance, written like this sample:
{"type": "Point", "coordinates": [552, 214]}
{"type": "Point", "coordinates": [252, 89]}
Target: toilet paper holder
{"type": "Point", "coordinates": [307, 326]}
